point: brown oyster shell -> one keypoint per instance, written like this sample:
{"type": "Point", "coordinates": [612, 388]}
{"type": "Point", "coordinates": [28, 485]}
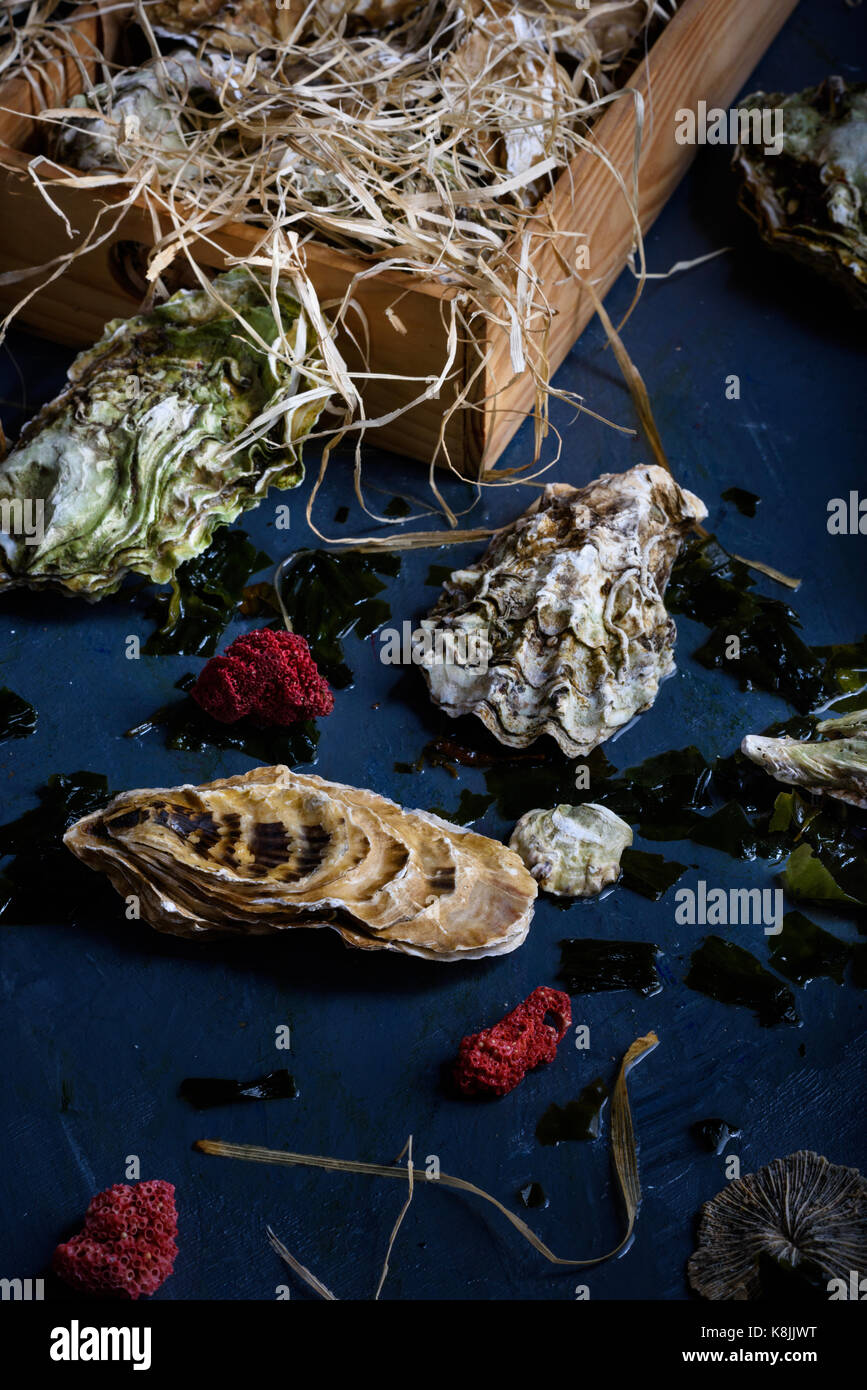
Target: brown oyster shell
{"type": "Point", "coordinates": [809, 200]}
{"type": "Point", "coordinates": [273, 849]}
{"type": "Point", "coordinates": [570, 600]}
{"type": "Point", "coordinates": [797, 1209]}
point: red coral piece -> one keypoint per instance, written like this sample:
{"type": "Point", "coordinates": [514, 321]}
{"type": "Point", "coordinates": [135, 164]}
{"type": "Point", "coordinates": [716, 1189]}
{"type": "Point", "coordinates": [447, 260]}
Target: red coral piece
{"type": "Point", "coordinates": [268, 675]}
{"type": "Point", "coordinates": [495, 1061]}
{"type": "Point", "coordinates": [127, 1245]}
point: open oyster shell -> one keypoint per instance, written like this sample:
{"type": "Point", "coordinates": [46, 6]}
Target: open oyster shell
{"type": "Point", "coordinates": [143, 455]}
{"type": "Point", "coordinates": [572, 851]}
{"type": "Point", "coordinates": [811, 199]}
{"type": "Point", "coordinates": [273, 849]}
{"type": "Point", "coordinates": [569, 602]}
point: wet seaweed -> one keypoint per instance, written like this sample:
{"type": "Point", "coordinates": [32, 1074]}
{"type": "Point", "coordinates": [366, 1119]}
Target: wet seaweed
{"type": "Point", "coordinates": [589, 965]}
{"type": "Point", "coordinates": [17, 716]}
{"type": "Point", "coordinates": [732, 975]}
{"type": "Point", "coordinates": [206, 594]}
{"type": "Point", "coordinates": [188, 728]}
{"type": "Point", "coordinates": [328, 595]}
{"type": "Point", "coordinates": [203, 1092]}
{"type": "Point", "coordinates": [579, 1119]}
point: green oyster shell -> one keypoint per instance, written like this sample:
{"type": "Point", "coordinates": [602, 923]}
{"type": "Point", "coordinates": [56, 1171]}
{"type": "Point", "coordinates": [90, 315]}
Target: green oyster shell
{"type": "Point", "coordinates": [837, 766]}
{"type": "Point", "coordinates": [133, 465]}
{"type": "Point", "coordinates": [572, 851]}
{"type": "Point", "coordinates": [810, 200]}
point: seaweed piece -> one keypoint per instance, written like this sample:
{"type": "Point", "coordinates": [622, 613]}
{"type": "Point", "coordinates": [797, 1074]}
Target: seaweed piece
{"type": "Point", "coordinates": [522, 782]}
{"type": "Point", "coordinates": [651, 875]}
{"type": "Point", "coordinates": [341, 516]}
{"type": "Point", "coordinates": [330, 595]}
{"type": "Point", "coordinates": [17, 716]}
{"type": "Point", "coordinates": [746, 502]}
{"type": "Point", "coordinates": [732, 975]}
{"type": "Point", "coordinates": [803, 950]}
{"type": "Point", "coordinates": [578, 1119]}
{"type": "Point", "coordinates": [716, 589]}
{"type": "Point", "coordinates": [206, 594]}
{"type": "Point", "coordinates": [728, 829]}
{"type": "Point", "coordinates": [589, 965]}
{"type": "Point", "coordinates": [533, 1196]}
{"type": "Point", "coordinates": [42, 883]}
{"type": "Point", "coordinates": [438, 574]}
{"type": "Point", "coordinates": [471, 807]}
{"type": "Point", "coordinates": [189, 729]}
{"type": "Point", "coordinates": [713, 1134]}
{"type": "Point", "coordinates": [206, 1091]}
{"type": "Point", "coordinates": [662, 794]}
{"type": "Point", "coordinates": [806, 876]}
{"type": "Point", "coordinates": [398, 506]}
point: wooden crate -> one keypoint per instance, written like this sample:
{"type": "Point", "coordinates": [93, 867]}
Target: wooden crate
{"type": "Point", "coordinates": [705, 53]}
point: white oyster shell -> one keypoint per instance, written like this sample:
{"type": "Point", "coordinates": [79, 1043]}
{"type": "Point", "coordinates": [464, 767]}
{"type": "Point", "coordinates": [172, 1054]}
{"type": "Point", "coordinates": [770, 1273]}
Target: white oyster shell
{"type": "Point", "coordinates": [272, 850]}
{"type": "Point", "coordinates": [570, 600]}
{"type": "Point", "coordinates": [572, 851]}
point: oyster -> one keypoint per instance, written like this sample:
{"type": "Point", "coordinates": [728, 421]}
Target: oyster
{"type": "Point", "coordinates": [141, 119]}
{"type": "Point", "coordinates": [811, 199]}
{"type": "Point", "coordinates": [144, 454]}
{"type": "Point", "coordinates": [837, 766]}
{"type": "Point", "coordinates": [272, 849]}
{"type": "Point", "coordinates": [572, 851]}
{"type": "Point", "coordinates": [569, 601]}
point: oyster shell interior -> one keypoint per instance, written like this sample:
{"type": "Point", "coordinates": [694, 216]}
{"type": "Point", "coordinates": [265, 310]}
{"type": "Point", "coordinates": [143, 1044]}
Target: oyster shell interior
{"type": "Point", "coordinates": [273, 849]}
{"type": "Point", "coordinates": [143, 455]}
{"type": "Point", "coordinates": [569, 602]}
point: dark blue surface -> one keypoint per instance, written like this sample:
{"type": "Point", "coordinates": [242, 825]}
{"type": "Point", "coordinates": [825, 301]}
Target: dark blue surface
{"type": "Point", "coordinates": [120, 1016]}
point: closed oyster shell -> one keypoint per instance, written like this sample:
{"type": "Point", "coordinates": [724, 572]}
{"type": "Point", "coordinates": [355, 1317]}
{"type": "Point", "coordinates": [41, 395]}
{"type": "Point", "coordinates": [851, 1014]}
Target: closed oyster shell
{"type": "Point", "coordinates": [572, 851]}
{"type": "Point", "coordinates": [142, 119]}
{"type": "Point", "coordinates": [836, 766]}
{"type": "Point", "coordinates": [274, 849]}
{"type": "Point", "coordinates": [570, 600]}
{"type": "Point", "coordinates": [810, 200]}
{"type": "Point", "coordinates": [137, 461]}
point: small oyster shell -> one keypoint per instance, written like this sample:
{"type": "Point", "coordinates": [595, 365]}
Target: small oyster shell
{"type": "Point", "coordinates": [837, 766]}
{"type": "Point", "coordinates": [570, 600]}
{"type": "Point", "coordinates": [797, 1210]}
{"type": "Point", "coordinates": [273, 849]}
{"type": "Point", "coordinates": [572, 851]}
{"type": "Point", "coordinates": [133, 464]}
{"type": "Point", "coordinates": [811, 199]}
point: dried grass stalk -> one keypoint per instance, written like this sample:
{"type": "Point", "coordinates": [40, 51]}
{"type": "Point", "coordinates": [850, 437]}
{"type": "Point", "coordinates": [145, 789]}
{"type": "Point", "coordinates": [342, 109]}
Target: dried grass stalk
{"type": "Point", "coordinates": [623, 1152]}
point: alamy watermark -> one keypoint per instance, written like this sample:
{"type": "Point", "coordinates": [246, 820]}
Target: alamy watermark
{"type": "Point", "coordinates": [719, 907]}
{"type": "Point", "coordinates": [435, 646]}
{"type": "Point", "coordinates": [759, 125]}
{"type": "Point", "coordinates": [23, 518]}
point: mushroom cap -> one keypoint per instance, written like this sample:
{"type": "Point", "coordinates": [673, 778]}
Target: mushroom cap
{"type": "Point", "coordinates": [800, 1209]}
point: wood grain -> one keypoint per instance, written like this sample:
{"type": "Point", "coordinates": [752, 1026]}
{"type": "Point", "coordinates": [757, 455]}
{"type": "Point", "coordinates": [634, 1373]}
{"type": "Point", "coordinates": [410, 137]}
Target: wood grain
{"type": "Point", "coordinates": [706, 52]}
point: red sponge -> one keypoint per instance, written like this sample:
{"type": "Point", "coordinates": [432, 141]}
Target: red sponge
{"type": "Point", "coordinates": [127, 1247]}
{"type": "Point", "coordinates": [268, 675]}
{"type": "Point", "coordinates": [496, 1060]}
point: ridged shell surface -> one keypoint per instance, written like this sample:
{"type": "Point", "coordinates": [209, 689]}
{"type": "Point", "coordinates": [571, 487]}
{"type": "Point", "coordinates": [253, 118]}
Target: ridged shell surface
{"type": "Point", "coordinates": [274, 849]}
{"type": "Point", "coordinates": [569, 600]}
